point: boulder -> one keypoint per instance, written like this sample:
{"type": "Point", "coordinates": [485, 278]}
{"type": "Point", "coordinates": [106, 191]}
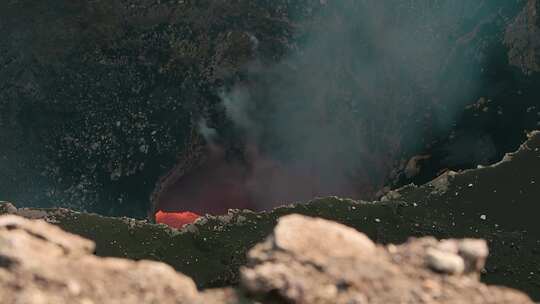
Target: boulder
{"type": "Point", "coordinates": [41, 264]}
{"type": "Point", "coordinates": [309, 260]}
{"type": "Point", "coordinates": [304, 260]}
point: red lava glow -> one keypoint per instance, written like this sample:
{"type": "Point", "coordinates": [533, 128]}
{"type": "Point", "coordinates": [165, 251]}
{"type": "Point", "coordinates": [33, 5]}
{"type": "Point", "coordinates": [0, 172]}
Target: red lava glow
{"type": "Point", "coordinates": [176, 219]}
{"type": "Point", "coordinates": [258, 183]}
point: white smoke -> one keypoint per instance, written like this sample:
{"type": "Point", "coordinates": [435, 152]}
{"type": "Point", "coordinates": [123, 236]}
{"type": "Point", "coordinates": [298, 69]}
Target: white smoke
{"type": "Point", "coordinates": [359, 91]}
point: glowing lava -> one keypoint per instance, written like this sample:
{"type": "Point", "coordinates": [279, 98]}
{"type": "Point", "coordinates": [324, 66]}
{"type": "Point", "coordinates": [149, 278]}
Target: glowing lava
{"type": "Point", "coordinates": [176, 219]}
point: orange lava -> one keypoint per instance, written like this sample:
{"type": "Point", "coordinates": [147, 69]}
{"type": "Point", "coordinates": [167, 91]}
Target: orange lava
{"type": "Point", "coordinates": [176, 219]}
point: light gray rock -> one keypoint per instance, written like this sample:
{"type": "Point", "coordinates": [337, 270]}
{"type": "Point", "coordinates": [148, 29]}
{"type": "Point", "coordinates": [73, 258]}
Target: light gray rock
{"type": "Point", "coordinates": [40, 263]}
{"type": "Point", "coordinates": [474, 253]}
{"type": "Point", "coordinates": [445, 261]}
{"type": "Point", "coordinates": [308, 260]}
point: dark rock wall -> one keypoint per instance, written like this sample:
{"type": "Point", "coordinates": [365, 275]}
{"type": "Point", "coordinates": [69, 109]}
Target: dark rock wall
{"type": "Point", "coordinates": [99, 100]}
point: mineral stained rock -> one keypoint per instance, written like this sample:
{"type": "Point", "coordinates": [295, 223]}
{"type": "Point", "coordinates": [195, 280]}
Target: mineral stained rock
{"type": "Point", "coordinates": [305, 260]}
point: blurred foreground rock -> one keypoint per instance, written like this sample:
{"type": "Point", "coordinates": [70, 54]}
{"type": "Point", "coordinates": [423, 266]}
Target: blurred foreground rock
{"type": "Point", "coordinates": [41, 264]}
{"type": "Point", "coordinates": [305, 260]}
{"type": "Point", "coordinates": [310, 260]}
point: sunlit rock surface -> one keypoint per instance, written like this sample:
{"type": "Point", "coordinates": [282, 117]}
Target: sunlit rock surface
{"type": "Point", "coordinates": [40, 263]}
{"type": "Point", "coordinates": [331, 263]}
{"type": "Point", "coordinates": [326, 263]}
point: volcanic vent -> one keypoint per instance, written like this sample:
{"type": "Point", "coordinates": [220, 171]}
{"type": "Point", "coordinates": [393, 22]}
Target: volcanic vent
{"type": "Point", "coordinates": [211, 180]}
{"type": "Point", "coordinates": [369, 85]}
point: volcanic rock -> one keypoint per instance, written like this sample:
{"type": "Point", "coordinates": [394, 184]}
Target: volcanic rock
{"type": "Point", "coordinates": [211, 250]}
{"type": "Point", "coordinates": [456, 257]}
{"type": "Point", "coordinates": [98, 98]}
{"type": "Point", "coordinates": [39, 263]}
{"type": "Point", "coordinates": [305, 260]}
{"type": "Point", "coordinates": [330, 263]}
{"type": "Point", "coordinates": [523, 39]}
{"type": "Point", "coordinates": [445, 262]}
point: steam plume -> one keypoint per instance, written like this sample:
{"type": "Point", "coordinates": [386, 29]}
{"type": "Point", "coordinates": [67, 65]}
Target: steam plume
{"type": "Point", "coordinates": [370, 82]}
{"type": "Point", "coordinates": [333, 117]}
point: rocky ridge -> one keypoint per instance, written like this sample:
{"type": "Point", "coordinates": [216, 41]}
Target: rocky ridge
{"type": "Point", "coordinates": [305, 260]}
{"type": "Point", "coordinates": [474, 203]}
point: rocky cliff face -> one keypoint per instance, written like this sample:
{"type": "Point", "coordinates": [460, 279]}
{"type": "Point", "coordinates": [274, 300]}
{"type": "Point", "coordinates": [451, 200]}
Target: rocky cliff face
{"type": "Point", "coordinates": [100, 101]}
{"type": "Point", "coordinates": [305, 260]}
{"type": "Point", "coordinates": [523, 39]}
